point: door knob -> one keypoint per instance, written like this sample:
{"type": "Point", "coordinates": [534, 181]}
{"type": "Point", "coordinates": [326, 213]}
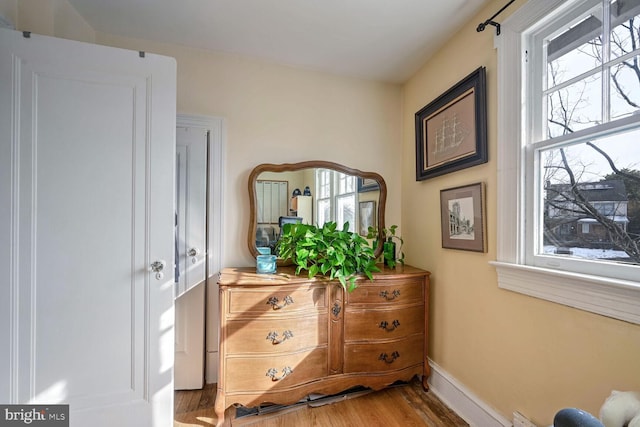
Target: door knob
{"type": "Point", "coordinates": [193, 253]}
{"type": "Point", "coordinates": [157, 267]}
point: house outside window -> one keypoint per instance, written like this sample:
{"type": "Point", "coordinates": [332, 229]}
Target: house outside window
{"type": "Point", "coordinates": [564, 214]}
{"type": "Point", "coordinates": [569, 154]}
{"type": "Point", "coordinates": [336, 200]}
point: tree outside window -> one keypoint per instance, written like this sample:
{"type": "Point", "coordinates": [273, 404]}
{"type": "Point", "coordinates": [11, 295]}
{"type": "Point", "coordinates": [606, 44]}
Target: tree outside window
{"type": "Point", "coordinates": [590, 180]}
{"type": "Point", "coordinates": [569, 154]}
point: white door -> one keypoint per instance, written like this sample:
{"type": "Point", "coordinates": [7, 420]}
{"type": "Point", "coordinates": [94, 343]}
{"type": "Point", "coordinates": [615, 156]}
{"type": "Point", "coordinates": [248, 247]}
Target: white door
{"type": "Point", "coordinates": [191, 201]}
{"type": "Point", "coordinates": [87, 146]}
{"type": "Point", "coordinates": [191, 246]}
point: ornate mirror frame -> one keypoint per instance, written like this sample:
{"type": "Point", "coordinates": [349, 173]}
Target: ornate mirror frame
{"type": "Point", "coordinates": [292, 167]}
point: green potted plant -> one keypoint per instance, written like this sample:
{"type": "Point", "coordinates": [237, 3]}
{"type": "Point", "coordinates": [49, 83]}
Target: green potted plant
{"type": "Point", "coordinates": [390, 247]}
{"type": "Point", "coordinates": [328, 251]}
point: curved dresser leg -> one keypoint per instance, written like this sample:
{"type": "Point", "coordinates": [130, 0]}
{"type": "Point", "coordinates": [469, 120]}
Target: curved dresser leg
{"type": "Point", "coordinates": [425, 384]}
{"type": "Point", "coordinates": [425, 376]}
{"type": "Point", "coordinates": [220, 410]}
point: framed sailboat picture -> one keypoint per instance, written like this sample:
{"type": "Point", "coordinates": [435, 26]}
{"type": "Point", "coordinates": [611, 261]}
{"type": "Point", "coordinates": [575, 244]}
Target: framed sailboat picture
{"type": "Point", "coordinates": [451, 131]}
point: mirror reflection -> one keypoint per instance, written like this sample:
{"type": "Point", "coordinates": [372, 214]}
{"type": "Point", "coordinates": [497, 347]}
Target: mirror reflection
{"type": "Point", "coordinates": [312, 193]}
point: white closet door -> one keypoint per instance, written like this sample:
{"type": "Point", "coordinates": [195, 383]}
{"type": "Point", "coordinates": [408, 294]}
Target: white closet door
{"type": "Point", "coordinates": [191, 164]}
{"type": "Point", "coordinates": [191, 197]}
{"type": "Point", "coordinates": [87, 150]}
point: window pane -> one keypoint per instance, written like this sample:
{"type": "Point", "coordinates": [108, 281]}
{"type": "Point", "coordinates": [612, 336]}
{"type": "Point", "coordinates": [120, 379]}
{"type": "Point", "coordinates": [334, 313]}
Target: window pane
{"type": "Point", "coordinates": [591, 209]}
{"type": "Point", "coordinates": [574, 107]}
{"type": "Point", "coordinates": [350, 184]}
{"type": "Point", "coordinates": [346, 212]}
{"type": "Point", "coordinates": [323, 189]}
{"type": "Point", "coordinates": [576, 50]}
{"type": "Point", "coordinates": [346, 183]}
{"type": "Point", "coordinates": [342, 179]}
{"type": "Point", "coordinates": [324, 212]}
{"type": "Point", "coordinates": [625, 27]}
{"type": "Point", "coordinates": [625, 88]}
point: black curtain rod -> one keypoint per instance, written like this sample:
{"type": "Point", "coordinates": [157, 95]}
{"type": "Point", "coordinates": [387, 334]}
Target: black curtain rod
{"type": "Point", "coordinates": [490, 21]}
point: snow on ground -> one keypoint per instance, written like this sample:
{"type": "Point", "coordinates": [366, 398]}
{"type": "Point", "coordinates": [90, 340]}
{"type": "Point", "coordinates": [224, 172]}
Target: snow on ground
{"type": "Point", "coordinates": [591, 253]}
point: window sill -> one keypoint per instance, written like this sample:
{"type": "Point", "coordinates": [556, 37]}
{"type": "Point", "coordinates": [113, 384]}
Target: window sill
{"type": "Point", "coordinates": [619, 299]}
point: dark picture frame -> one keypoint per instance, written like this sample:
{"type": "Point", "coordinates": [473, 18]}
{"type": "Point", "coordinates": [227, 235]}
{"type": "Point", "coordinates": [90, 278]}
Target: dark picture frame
{"type": "Point", "coordinates": [367, 184]}
{"type": "Point", "coordinates": [367, 216]}
{"type": "Point", "coordinates": [463, 223]}
{"type": "Point", "coordinates": [451, 131]}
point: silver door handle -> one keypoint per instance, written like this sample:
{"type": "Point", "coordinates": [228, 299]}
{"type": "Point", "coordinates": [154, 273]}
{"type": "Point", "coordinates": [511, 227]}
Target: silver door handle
{"type": "Point", "coordinates": [157, 267]}
{"type": "Point", "coordinates": [193, 253]}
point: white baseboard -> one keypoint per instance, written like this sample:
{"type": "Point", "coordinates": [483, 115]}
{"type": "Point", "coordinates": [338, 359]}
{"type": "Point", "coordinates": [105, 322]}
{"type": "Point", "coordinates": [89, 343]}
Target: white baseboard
{"type": "Point", "coordinates": [466, 404]}
{"type": "Point", "coordinates": [211, 368]}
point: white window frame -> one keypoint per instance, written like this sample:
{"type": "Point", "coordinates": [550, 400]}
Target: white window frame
{"type": "Point", "coordinates": [335, 194]}
{"type": "Point", "coordinates": [607, 296]}
{"type": "Point", "coordinates": [320, 199]}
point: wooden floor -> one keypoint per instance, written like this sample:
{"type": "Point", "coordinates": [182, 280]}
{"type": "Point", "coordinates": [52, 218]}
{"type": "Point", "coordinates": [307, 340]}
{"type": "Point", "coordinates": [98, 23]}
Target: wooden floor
{"type": "Point", "coordinates": [405, 405]}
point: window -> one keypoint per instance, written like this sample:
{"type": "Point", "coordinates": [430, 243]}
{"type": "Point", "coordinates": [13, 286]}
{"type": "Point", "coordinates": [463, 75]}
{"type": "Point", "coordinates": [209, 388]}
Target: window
{"type": "Point", "coordinates": [569, 154]}
{"type": "Point", "coordinates": [336, 200]}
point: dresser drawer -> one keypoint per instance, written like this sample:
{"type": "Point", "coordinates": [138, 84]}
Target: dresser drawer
{"type": "Point", "coordinates": [384, 356]}
{"type": "Point", "coordinates": [251, 374]}
{"type": "Point", "coordinates": [383, 324]}
{"type": "Point", "coordinates": [273, 335]}
{"type": "Point", "coordinates": [400, 291]}
{"type": "Point", "coordinates": [276, 300]}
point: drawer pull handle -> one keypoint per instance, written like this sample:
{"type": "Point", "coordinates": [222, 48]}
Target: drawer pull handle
{"type": "Point", "coordinates": [273, 301]}
{"type": "Point", "coordinates": [272, 372]}
{"type": "Point", "coordinates": [385, 294]}
{"type": "Point", "coordinates": [384, 356]}
{"type": "Point", "coordinates": [385, 325]}
{"type": "Point", "coordinates": [273, 337]}
{"type": "Point", "coordinates": [336, 310]}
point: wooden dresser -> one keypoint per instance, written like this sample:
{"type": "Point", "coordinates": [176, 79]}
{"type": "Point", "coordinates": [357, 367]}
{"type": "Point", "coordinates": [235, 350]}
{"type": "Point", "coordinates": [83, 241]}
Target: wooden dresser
{"type": "Point", "coordinates": [284, 337]}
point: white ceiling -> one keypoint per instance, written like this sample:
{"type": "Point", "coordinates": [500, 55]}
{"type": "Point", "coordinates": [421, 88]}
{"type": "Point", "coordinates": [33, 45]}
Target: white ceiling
{"type": "Point", "coordinates": [385, 40]}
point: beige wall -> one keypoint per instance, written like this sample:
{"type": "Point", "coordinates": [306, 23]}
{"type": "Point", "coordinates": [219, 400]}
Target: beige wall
{"type": "Point", "coordinates": [47, 17]}
{"type": "Point", "coordinates": [277, 114]}
{"type": "Point", "coordinates": [515, 352]}
{"type": "Point", "coordinates": [68, 24]}
{"type": "Point", "coordinates": [9, 10]}
{"type": "Point", "coordinates": [273, 113]}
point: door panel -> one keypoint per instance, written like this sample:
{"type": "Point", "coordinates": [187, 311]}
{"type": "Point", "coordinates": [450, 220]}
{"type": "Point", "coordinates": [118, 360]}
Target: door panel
{"type": "Point", "coordinates": [83, 217]}
{"type": "Point", "coordinates": [191, 173]}
{"type": "Point", "coordinates": [191, 165]}
{"type": "Point", "coordinates": [90, 150]}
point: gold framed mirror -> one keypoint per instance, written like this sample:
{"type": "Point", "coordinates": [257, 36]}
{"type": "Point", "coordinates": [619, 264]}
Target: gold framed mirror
{"type": "Point", "coordinates": [312, 192]}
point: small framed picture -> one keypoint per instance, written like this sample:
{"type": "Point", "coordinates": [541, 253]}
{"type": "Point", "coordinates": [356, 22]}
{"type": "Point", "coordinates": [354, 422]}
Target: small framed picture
{"type": "Point", "coordinates": [367, 184]}
{"type": "Point", "coordinates": [462, 211]}
{"type": "Point", "coordinates": [367, 217]}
